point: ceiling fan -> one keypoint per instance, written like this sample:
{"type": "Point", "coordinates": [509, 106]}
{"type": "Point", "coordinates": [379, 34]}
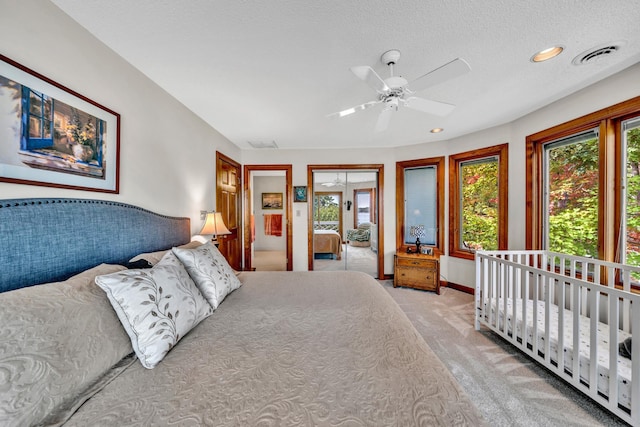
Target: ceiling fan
{"type": "Point", "coordinates": [396, 90]}
{"type": "Point", "coordinates": [335, 183]}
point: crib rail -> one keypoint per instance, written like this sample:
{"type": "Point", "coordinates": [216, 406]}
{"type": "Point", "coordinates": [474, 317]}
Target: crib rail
{"type": "Point", "coordinates": [509, 283]}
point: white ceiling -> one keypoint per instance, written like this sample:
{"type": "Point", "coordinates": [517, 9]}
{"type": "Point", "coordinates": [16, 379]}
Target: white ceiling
{"type": "Point", "coordinates": [266, 71]}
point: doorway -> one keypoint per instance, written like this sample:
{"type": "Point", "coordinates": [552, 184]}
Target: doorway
{"type": "Point", "coordinates": [268, 209]}
{"type": "Point", "coordinates": [345, 221]}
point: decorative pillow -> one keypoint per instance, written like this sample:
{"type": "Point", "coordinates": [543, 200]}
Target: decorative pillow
{"type": "Point", "coordinates": [210, 270]}
{"type": "Point", "coordinates": [154, 257]}
{"type": "Point", "coordinates": [59, 344]}
{"type": "Point", "coordinates": [156, 306]}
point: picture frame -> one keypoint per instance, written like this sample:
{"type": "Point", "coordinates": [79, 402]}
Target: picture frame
{"type": "Point", "coordinates": [53, 136]}
{"type": "Point", "coordinates": [426, 250]}
{"type": "Point", "coordinates": [300, 193]}
{"type": "Point", "coordinates": [272, 201]}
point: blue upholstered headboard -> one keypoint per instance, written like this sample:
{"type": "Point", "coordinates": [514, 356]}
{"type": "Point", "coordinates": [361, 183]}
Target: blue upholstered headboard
{"type": "Point", "coordinates": [46, 240]}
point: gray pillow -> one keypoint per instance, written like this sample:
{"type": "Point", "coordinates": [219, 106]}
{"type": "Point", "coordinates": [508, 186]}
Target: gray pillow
{"type": "Point", "coordinates": [58, 342]}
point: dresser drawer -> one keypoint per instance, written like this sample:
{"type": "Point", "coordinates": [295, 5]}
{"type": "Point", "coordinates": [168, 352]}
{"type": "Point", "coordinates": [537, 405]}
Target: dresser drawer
{"type": "Point", "coordinates": [416, 262]}
{"type": "Point", "coordinates": [417, 277]}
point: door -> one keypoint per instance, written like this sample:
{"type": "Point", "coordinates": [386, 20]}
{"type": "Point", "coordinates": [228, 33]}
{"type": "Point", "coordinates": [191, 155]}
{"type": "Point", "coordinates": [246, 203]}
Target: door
{"type": "Point", "coordinates": [228, 192]}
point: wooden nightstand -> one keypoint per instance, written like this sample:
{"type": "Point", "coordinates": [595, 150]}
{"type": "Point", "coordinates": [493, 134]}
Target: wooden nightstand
{"type": "Point", "coordinates": [417, 271]}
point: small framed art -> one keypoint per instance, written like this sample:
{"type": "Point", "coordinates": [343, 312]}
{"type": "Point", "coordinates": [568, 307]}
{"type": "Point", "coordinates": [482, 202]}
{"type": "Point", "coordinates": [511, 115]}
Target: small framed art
{"type": "Point", "coordinates": [426, 250]}
{"type": "Point", "coordinates": [300, 193]}
{"type": "Point", "coordinates": [272, 201]}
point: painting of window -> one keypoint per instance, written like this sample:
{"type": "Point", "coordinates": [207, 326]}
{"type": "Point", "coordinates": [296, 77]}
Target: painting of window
{"type": "Point", "coordinates": [52, 136]}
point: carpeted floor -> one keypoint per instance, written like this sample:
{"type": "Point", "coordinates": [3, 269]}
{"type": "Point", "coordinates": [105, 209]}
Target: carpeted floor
{"type": "Point", "coordinates": [509, 388]}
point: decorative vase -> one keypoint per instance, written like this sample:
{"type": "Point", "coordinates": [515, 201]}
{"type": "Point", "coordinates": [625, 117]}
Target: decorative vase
{"type": "Point", "coordinates": [83, 153]}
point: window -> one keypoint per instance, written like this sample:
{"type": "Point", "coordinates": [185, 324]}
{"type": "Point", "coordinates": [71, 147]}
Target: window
{"type": "Point", "coordinates": [419, 202]}
{"type": "Point", "coordinates": [583, 185]}
{"type": "Point", "coordinates": [570, 175]}
{"type": "Point", "coordinates": [631, 186]}
{"type": "Point", "coordinates": [327, 211]}
{"type": "Point", "coordinates": [363, 205]}
{"type": "Point", "coordinates": [40, 111]}
{"type": "Point", "coordinates": [478, 201]}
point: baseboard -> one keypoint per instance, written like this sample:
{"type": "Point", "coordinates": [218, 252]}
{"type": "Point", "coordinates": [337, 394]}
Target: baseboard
{"type": "Point", "coordinates": [457, 287]}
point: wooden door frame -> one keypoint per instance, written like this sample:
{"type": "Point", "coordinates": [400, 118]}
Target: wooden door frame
{"type": "Point", "coordinates": [380, 225]}
{"type": "Point", "coordinates": [287, 169]}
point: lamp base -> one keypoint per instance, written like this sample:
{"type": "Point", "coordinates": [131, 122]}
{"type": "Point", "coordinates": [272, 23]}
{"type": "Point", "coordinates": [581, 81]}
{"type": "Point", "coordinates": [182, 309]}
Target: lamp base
{"type": "Point", "coordinates": [418, 244]}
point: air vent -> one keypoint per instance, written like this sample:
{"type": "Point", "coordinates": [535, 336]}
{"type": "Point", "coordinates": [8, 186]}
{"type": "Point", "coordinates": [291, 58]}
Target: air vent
{"type": "Point", "coordinates": [597, 54]}
{"type": "Point", "coordinates": [263, 144]}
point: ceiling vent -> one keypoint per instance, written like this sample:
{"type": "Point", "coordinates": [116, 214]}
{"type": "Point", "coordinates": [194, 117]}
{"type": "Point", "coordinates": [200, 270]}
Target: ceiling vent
{"type": "Point", "coordinates": [263, 144]}
{"type": "Point", "coordinates": [597, 54]}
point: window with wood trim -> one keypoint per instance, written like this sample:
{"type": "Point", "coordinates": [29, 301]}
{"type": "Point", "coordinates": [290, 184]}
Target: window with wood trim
{"type": "Point", "coordinates": [583, 185]}
{"type": "Point", "coordinates": [420, 202]}
{"type": "Point", "coordinates": [478, 204]}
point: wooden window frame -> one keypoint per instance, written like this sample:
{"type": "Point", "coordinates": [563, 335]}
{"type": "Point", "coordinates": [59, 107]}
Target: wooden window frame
{"type": "Point", "coordinates": [439, 163]}
{"type": "Point", "coordinates": [455, 161]}
{"type": "Point", "coordinates": [608, 121]}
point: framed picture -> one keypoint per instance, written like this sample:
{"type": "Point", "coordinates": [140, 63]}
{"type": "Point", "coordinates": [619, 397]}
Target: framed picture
{"type": "Point", "coordinates": [271, 200]}
{"type": "Point", "coordinates": [426, 250]}
{"type": "Point", "coordinates": [53, 136]}
{"type": "Point", "coordinates": [299, 193]}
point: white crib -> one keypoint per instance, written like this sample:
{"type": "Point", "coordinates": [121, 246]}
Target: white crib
{"type": "Point", "coordinates": [578, 306]}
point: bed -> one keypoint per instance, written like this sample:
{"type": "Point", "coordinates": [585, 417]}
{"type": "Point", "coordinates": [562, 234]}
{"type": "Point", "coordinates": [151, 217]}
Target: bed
{"type": "Point", "coordinates": [572, 315]}
{"type": "Point", "coordinates": [327, 242]}
{"type": "Point", "coordinates": [283, 348]}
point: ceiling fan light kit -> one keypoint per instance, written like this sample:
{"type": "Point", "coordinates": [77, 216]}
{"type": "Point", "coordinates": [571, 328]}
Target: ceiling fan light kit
{"type": "Point", "coordinates": [396, 90]}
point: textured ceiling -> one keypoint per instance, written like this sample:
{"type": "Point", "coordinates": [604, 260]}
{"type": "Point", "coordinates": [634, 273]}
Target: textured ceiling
{"type": "Point", "coordinates": [272, 70]}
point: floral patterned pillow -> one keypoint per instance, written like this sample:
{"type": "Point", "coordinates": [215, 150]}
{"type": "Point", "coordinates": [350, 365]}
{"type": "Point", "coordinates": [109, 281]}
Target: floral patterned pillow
{"type": "Point", "coordinates": [210, 270]}
{"type": "Point", "coordinates": [156, 306]}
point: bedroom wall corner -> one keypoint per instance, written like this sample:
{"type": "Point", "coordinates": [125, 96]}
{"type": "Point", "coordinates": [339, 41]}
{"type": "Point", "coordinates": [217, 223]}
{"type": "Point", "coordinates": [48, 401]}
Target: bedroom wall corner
{"type": "Point", "coordinates": [167, 153]}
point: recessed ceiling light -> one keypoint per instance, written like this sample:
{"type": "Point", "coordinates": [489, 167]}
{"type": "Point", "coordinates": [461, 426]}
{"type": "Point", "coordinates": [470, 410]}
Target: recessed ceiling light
{"type": "Point", "coordinates": [547, 54]}
{"type": "Point", "coordinates": [436, 130]}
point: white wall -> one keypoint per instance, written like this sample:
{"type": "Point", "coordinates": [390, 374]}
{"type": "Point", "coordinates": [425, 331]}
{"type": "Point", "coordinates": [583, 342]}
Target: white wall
{"type": "Point", "coordinates": [167, 154]}
{"type": "Point", "coordinates": [269, 184]}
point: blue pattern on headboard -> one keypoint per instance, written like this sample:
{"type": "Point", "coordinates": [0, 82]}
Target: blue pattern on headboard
{"type": "Point", "coordinates": [47, 240]}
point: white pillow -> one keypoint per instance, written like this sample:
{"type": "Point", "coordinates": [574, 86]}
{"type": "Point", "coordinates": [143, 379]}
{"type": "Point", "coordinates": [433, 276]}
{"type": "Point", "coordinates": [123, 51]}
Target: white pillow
{"type": "Point", "coordinates": [210, 270]}
{"type": "Point", "coordinates": [156, 306]}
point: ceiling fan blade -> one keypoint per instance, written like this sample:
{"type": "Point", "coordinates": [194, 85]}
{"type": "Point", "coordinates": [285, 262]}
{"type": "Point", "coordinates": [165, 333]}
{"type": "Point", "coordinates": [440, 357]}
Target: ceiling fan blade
{"type": "Point", "coordinates": [383, 119]}
{"type": "Point", "coordinates": [453, 69]}
{"type": "Point", "coordinates": [353, 109]}
{"type": "Point", "coordinates": [436, 108]}
{"type": "Point", "coordinates": [370, 77]}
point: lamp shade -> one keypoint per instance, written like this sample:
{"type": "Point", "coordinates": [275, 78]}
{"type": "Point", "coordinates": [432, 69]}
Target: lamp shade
{"type": "Point", "coordinates": [213, 224]}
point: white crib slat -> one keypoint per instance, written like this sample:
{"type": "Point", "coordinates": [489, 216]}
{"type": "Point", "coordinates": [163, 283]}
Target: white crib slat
{"type": "Point", "coordinates": [560, 356]}
{"type": "Point", "coordinates": [635, 367]}
{"type": "Point", "coordinates": [593, 339]}
{"type": "Point", "coordinates": [478, 292]}
{"type": "Point", "coordinates": [534, 331]}
{"type": "Point", "coordinates": [613, 351]}
{"type": "Point", "coordinates": [547, 319]}
{"type": "Point", "coordinates": [575, 369]}
{"type": "Point", "coordinates": [513, 280]}
{"type": "Point", "coordinates": [525, 316]}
